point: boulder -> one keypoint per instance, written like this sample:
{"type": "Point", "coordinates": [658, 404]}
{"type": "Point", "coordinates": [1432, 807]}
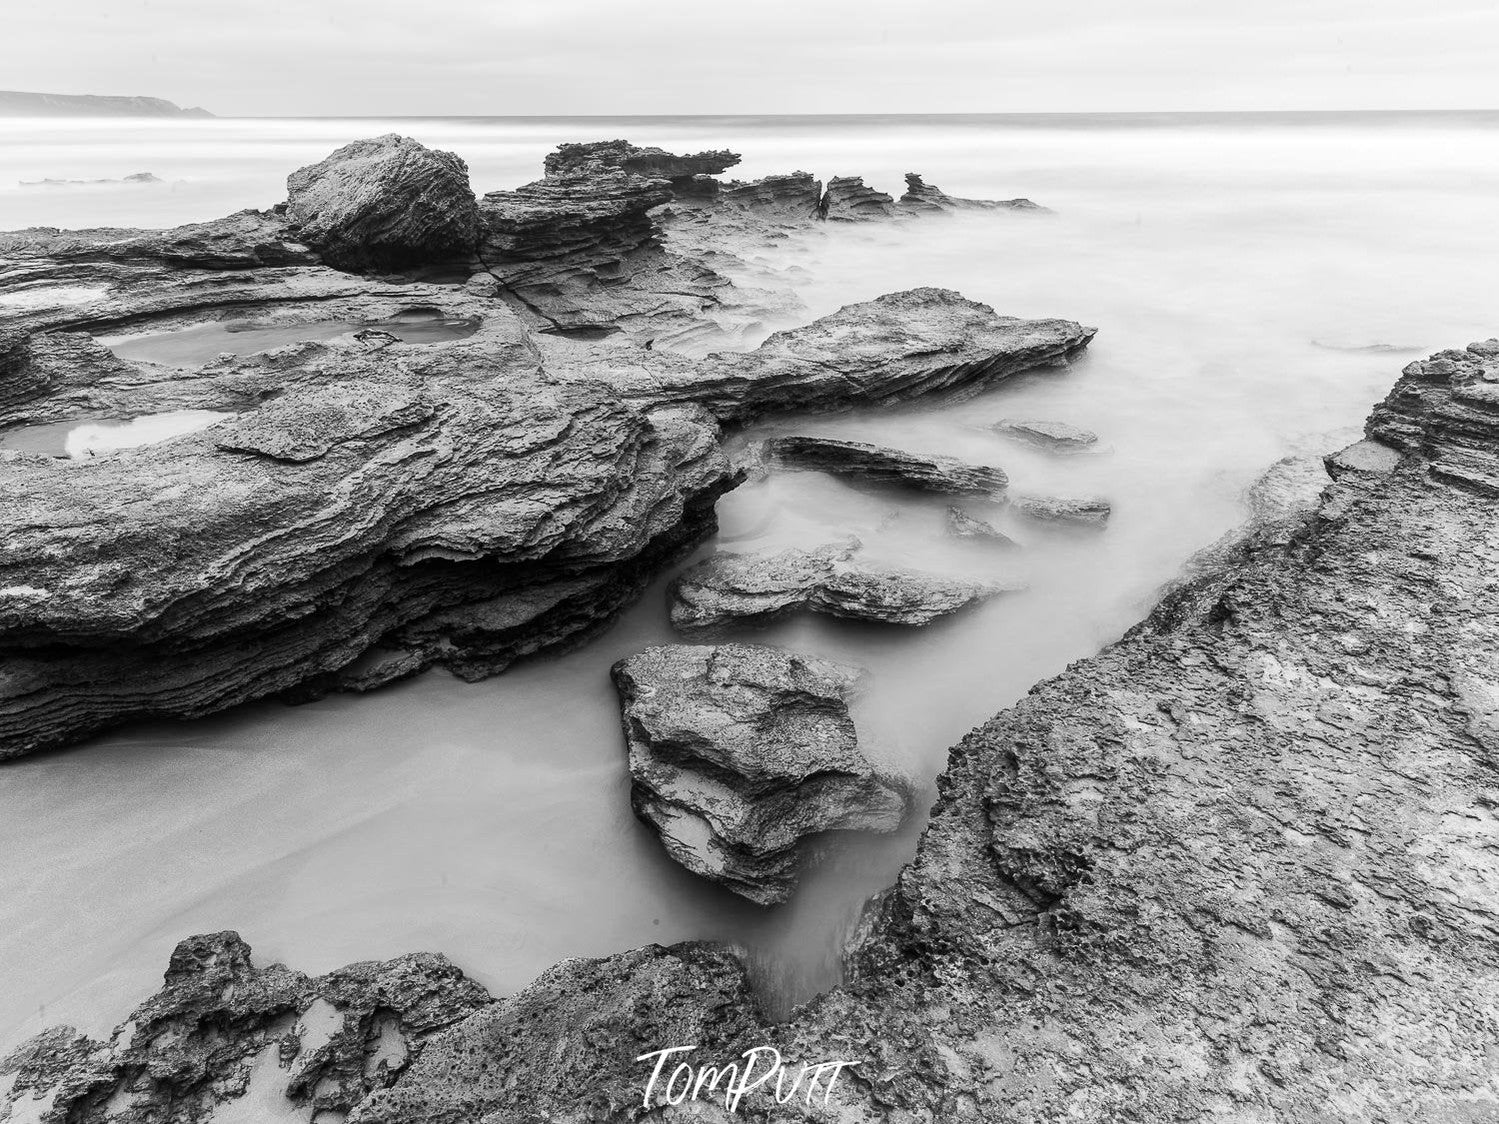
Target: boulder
{"type": "Point", "coordinates": [847, 199]}
{"type": "Point", "coordinates": [384, 203]}
{"type": "Point", "coordinates": [1053, 436]}
{"type": "Point", "coordinates": [740, 753]}
{"type": "Point", "coordinates": [877, 464]}
{"type": "Point", "coordinates": [728, 587]}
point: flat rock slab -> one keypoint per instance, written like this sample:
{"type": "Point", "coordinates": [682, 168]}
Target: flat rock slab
{"type": "Point", "coordinates": [759, 587]}
{"type": "Point", "coordinates": [877, 464]}
{"type": "Point", "coordinates": [1083, 512]}
{"type": "Point", "coordinates": [740, 752]}
{"type": "Point", "coordinates": [1053, 436]}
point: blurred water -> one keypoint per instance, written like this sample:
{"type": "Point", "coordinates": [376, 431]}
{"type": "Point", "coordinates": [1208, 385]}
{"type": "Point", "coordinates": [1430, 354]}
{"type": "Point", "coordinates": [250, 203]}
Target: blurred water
{"type": "Point", "coordinates": [492, 821]}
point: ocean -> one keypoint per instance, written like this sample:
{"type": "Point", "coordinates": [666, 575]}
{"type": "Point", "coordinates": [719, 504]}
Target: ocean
{"type": "Point", "coordinates": [1257, 282]}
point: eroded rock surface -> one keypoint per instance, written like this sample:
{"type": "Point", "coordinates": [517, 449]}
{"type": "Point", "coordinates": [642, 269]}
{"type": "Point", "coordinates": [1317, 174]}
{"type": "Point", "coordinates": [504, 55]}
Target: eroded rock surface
{"type": "Point", "coordinates": [739, 753]}
{"type": "Point", "coordinates": [965, 525]}
{"type": "Point", "coordinates": [225, 1039]}
{"type": "Point", "coordinates": [384, 203]}
{"type": "Point", "coordinates": [877, 464]}
{"type": "Point", "coordinates": [727, 587]}
{"type": "Point", "coordinates": [1088, 511]}
{"type": "Point", "coordinates": [925, 198]}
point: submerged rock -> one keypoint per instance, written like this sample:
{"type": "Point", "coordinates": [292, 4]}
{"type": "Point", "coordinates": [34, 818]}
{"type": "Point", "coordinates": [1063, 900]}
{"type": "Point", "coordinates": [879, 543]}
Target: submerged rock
{"type": "Point", "coordinates": [1085, 512]}
{"type": "Point", "coordinates": [730, 587]}
{"type": "Point", "coordinates": [965, 526]}
{"type": "Point", "coordinates": [1053, 436]}
{"type": "Point", "coordinates": [225, 1037]}
{"type": "Point", "coordinates": [880, 465]}
{"type": "Point", "coordinates": [739, 753]}
{"type": "Point", "coordinates": [384, 203]}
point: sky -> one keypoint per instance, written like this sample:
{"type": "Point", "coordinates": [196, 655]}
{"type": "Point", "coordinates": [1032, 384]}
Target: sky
{"type": "Point", "coordinates": [497, 57]}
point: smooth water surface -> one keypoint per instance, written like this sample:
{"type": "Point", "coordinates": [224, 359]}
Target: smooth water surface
{"type": "Point", "coordinates": [491, 821]}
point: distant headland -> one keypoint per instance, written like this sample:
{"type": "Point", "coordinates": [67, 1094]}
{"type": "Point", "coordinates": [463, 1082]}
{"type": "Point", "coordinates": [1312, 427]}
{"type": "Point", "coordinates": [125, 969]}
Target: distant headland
{"type": "Point", "coordinates": [19, 103]}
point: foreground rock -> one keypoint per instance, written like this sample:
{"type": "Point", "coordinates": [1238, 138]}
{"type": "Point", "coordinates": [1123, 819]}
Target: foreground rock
{"type": "Point", "coordinates": [877, 464]}
{"type": "Point", "coordinates": [384, 203]}
{"type": "Point", "coordinates": [1053, 436]}
{"type": "Point", "coordinates": [740, 753]}
{"type": "Point", "coordinates": [1236, 866]}
{"type": "Point", "coordinates": [223, 1037]}
{"type": "Point", "coordinates": [726, 588]}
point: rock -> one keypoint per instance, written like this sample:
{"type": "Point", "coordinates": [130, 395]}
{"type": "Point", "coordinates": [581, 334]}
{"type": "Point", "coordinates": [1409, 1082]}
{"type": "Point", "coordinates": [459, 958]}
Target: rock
{"type": "Point", "coordinates": [565, 1048]}
{"type": "Point", "coordinates": [1446, 409]}
{"type": "Point", "coordinates": [727, 587]}
{"type": "Point", "coordinates": [386, 510]}
{"type": "Point", "coordinates": [1053, 436]}
{"type": "Point", "coordinates": [966, 526]}
{"type": "Point", "coordinates": [225, 1037]}
{"type": "Point", "coordinates": [739, 753]}
{"type": "Point", "coordinates": [892, 349]}
{"type": "Point", "coordinates": [243, 240]}
{"type": "Point", "coordinates": [924, 198]}
{"type": "Point", "coordinates": [848, 199]}
{"type": "Point", "coordinates": [652, 163]}
{"type": "Point", "coordinates": [384, 203]}
{"type": "Point", "coordinates": [879, 465]}
{"type": "Point", "coordinates": [794, 195]}
{"type": "Point", "coordinates": [1087, 512]}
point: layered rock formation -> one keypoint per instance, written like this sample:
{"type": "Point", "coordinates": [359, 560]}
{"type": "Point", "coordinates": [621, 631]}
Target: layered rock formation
{"type": "Point", "coordinates": [1088, 511]}
{"type": "Point", "coordinates": [740, 753]}
{"type": "Point", "coordinates": [726, 588]}
{"type": "Point", "coordinates": [877, 464]}
{"type": "Point", "coordinates": [384, 203]}
{"type": "Point", "coordinates": [921, 197]}
{"type": "Point", "coordinates": [1237, 866]}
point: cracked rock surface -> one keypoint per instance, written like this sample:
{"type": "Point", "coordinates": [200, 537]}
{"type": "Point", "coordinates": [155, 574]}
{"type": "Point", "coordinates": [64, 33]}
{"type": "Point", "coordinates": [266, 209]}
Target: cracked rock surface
{"type": "Point", "coordinates": [741, 752]}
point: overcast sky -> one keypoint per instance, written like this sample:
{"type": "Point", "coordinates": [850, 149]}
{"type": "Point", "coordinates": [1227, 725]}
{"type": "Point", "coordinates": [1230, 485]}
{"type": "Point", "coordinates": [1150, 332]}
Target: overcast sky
{"type": "Point", "coordinates": [377, 57]}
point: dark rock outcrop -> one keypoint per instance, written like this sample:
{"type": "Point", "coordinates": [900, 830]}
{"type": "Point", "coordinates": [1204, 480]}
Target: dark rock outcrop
{"type": "Point", "coordinates": [649, 162]}
{"type": "Point", "coordinates": [726, 587]}
{"type": "Point", "coordinates": [847, 199]}
{"type": "Point", "coordinates": [921, 197]}
{"type": "Point", "coordinates": [384, 203]}
{"type": "Point", "coordinates": [1446, 409]}
{"type": "Point", "coordinates": [877, 464]}
{"type": "Point", "coordinates": [740, 753]}
{"type": "Point", "coordinates": [223, 1033]}
{"type": "Point", "coordinates": [1053, 436]}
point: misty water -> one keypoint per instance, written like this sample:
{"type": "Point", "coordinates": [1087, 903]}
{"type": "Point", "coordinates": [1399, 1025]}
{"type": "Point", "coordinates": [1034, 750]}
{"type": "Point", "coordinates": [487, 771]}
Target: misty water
{"type": "Point", "coordinates": [1238, 271]}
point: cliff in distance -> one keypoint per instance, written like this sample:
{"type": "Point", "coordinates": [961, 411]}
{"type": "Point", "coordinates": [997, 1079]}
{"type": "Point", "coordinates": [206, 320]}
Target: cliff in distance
{"type": "Point", "coordinates": [24, 103]}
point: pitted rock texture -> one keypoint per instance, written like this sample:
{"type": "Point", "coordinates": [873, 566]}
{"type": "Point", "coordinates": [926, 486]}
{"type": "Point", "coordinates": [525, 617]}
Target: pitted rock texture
{"type": "Point", "coordinates": [726, 588]}
{"type": "Point", "coordinates": [384, 203]}
{"type": "Point", "coordinates": [650, 162]}
{"type": "Point", "coordinates": [876, 464]}
{"type": "Point", "coordinates": [223, 1038]}
{"type": "Point", "coordinates": [1053, 436]}
{"type": "Point", "coordinates": [739, 753]}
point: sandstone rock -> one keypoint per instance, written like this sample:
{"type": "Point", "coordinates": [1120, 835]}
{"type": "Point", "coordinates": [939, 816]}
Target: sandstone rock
{"type": "Point", "coordinates": [728, 587]}
{"type": "Point", "coordinates": [879, 465]}
{"type": "Point", "coordinates": [847, 199]}
{"type": "Point", "coordinates": [225, 1037]}
{"type": "Point", "coordinates": [384, 203]}
{"type": "Point", "coordinates": [924, 198]}
{"type": "Point", "coordinates": [652, 163]}
{"type": "Point", "coordinates": [1087, 512]}
{"type": "Point", "coordinates": [739, 753]}
{"type": "Point", "coordinates": [966, 526]}
{"type": "Point", "coordinates": [1053, 436]}
{"type": "Point", "coordinates": [1446, 409]}
{"type": "Point", "coordinates": [243, 240]}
